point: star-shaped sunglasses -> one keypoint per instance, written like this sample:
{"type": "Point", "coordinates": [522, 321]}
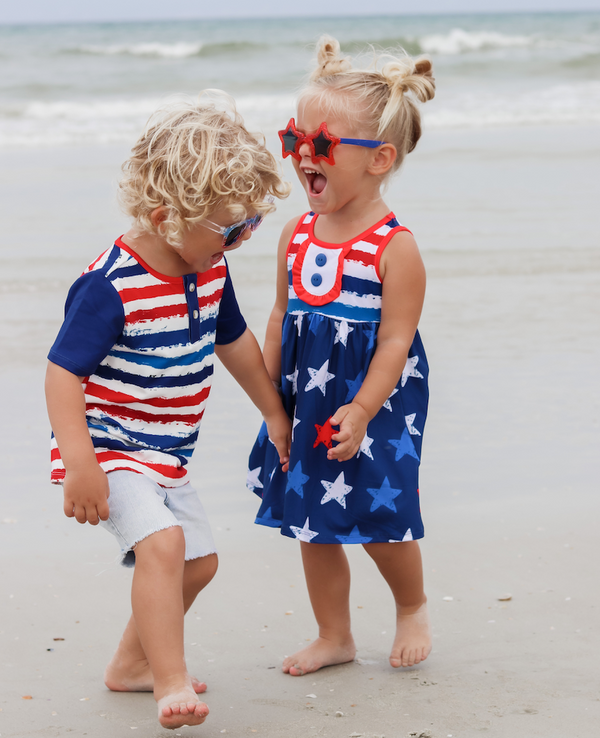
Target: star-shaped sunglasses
{"type": "Point", "coordinates": [321, 143]}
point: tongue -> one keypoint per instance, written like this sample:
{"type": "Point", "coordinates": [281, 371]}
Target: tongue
{"type": "Point", "coordinates": [319, 183]}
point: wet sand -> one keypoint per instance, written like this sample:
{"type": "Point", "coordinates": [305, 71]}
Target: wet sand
{"type": "Point", "coordinates": [509, 482]}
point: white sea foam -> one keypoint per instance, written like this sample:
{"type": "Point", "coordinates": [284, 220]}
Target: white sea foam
{"type": "Point", "coordinates": [105, 121]}
{"type": "Point", "coordinates": [458, 41]}
{"type": "Point", "coordinates": [561, 104]}
{"type": "Point", "coordinates": [178, 50]}
{"type": "Point", "coordinates": [63, 122]}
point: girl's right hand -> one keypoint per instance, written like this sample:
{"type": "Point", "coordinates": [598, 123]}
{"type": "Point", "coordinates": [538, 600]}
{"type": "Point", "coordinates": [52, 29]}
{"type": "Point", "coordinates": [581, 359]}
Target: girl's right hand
{"type": "Point", "coordinates": [353, 421]}
{"type": "Point", "coordinates": [279, 428]}
{"type": "Point", "coordinates": [86, 494]}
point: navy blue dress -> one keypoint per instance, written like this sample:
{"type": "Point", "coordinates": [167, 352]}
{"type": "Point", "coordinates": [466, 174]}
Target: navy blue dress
{"type": "Point", "coordinates": [329, 336]}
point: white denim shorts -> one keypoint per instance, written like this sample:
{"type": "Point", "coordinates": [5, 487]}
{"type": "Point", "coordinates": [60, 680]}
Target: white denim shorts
{"type": "Point", "coordinates": [139, 507]}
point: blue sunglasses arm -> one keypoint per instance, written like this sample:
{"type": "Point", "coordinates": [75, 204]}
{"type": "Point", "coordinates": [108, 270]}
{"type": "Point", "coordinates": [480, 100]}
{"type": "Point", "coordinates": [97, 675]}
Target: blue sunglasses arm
{"type": "Point", "coordinates": [362, 142]}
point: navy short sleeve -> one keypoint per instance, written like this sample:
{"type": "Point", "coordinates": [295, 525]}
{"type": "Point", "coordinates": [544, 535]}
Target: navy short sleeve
{"type": "Point", "coordinates": [230, 322]}
{"type": "Point", "coordinates": [94, 319]}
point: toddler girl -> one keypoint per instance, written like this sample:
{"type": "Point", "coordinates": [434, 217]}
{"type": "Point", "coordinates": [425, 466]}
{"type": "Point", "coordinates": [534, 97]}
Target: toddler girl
{"type": "Point", "coordinates": [342, 341]}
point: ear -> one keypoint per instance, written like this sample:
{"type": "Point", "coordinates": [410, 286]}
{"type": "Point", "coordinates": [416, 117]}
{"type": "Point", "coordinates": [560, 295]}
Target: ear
{"type": "Point", "coordinates": [383, 159]}
{"type": "Point", "coordinates": [159, 215]}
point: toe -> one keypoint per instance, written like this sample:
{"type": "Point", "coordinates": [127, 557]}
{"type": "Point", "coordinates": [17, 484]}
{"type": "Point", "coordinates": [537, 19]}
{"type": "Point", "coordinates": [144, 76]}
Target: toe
{"type": "Point", "coordinates": [199, 687]}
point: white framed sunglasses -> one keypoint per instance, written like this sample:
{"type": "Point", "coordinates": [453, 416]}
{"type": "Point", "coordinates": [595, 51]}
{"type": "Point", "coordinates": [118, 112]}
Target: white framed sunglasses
{"type": "Point", "coordinates": [232, 234]}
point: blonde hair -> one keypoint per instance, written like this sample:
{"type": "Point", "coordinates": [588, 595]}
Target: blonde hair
{"type": "Point", "coordinates": [193, 158]}
{"type": "Point", "coordinates": [379, 102]}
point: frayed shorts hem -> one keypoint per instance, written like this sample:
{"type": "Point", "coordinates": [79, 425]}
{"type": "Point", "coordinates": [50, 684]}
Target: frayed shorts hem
{"type": "Point", "coordinates": [139, 507]}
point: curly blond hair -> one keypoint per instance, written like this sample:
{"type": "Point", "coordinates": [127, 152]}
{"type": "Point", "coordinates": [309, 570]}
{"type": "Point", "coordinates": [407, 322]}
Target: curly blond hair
{"type": "Point", "coordinates": [194, 158]}
{"type": "Point", "coordinates": [379, 102]}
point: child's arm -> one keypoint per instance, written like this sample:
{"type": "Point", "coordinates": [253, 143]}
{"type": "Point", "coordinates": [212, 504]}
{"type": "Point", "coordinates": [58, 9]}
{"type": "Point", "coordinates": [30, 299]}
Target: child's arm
{"type": "Point", "coordinates": [244, 361]}
{"type": "Point", "coordinates": [85, 486]}
{"type": "Point", "coordinates": [403, 276]}
{"type": "Point", "coordinates": [272, 347]}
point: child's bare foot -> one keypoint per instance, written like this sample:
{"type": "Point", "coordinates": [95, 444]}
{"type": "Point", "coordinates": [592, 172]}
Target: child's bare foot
{"type": "Point", "coordinates": [320, 653]}
{"type": "Point", "coordinates": [412, 643]}
{"type": "Point", "coordinates": [124, 674]}
{"type": "Point", "coordinates": [181, 707]}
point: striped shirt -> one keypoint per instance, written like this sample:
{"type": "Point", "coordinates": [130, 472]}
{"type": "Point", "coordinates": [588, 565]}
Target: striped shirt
{"type": "Point", "coordinates": [144, 343]}
{"type": "Point", "coordinates": [338, 280]}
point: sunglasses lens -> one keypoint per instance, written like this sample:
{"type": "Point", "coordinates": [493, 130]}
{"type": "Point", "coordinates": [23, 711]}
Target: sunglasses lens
{"type": "Point", "coordinates": [322, 144]}
{"type": "Point", "coordinates": [235, 235]}
{"type": "Point", "coordinates": [289, 140]}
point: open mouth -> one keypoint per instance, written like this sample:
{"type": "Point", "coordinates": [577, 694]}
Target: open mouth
{"type": "Point", "coordinates": [316, 181]}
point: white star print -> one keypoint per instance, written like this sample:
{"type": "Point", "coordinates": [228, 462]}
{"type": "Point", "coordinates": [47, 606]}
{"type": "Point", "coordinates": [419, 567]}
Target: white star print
{"type": "Point", "coordinates": [409, 369]}
{"type": "Point", "coordinates": [299, 324]}
{"type": "Point", "coordinates": [295, 423]}
{"type": "Point", "coordinates": [319, 378]}
{"type": "Point", "coordinates": [336, 490]}
{"type": "Point", "coordinates": [304, 534]}
{"type": "Point", "coordinates": [408, 536]}
{"type": "Point", "coordinates": [252, 480]}
{"type": "Point", "coordinates": [293, 378]}
{"type": "Point", "coordinates": [387, 404]}
{"type": "Point", "coordinates": [365, 447]}
{"type": "Point", "coordinates": [343, 330]}
{"type": "Point", "coordinates": [410, 419]}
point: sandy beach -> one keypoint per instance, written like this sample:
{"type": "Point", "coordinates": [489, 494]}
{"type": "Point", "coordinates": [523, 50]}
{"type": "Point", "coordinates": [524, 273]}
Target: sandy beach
{"type": "Point", "coordinates": [508, 223]}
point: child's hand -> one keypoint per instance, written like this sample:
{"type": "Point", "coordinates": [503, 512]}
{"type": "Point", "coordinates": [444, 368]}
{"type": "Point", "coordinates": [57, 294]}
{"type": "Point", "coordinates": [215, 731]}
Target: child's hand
{"type": "Point", "coordinates": [86, 494]}
{"type": "Point", "coordinates": [353, 421]}
{"type": "Point", "coordinates": [279, 428]}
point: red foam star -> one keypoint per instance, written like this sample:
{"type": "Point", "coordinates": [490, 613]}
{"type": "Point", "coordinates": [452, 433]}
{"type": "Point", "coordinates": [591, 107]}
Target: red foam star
{"type": "Point", "coordinates": [324, 433]}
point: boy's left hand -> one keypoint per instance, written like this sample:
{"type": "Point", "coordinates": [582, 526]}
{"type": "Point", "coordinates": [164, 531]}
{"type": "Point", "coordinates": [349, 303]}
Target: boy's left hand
{"type": "Point", "coordinates": [279, 428]}
{"type": "Point", "coordinates": [353, 421]}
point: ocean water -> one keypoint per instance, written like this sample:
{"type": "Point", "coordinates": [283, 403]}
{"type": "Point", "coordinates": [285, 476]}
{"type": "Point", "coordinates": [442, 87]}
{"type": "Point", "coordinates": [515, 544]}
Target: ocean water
{"type": "Point", "coordinates": [504, 182]}
{"type": "Point", "coordinates": [97, 83]}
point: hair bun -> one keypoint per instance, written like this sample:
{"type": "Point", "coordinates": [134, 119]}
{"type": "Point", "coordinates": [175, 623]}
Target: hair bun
{"type": "Point", "coordinates": [329, 59]}
{"type": "Point", "coordinates": [408, 75]}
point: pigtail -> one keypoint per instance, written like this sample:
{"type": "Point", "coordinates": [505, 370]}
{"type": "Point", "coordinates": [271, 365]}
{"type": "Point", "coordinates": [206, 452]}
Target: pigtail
{"type": "Point", "coordinates": [408, 80]}
{"type": "Point", "coordinates": [329, 59]}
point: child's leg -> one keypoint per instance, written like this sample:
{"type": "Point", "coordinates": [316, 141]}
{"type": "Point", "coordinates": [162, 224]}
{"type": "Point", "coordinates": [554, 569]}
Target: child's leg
{"type": "Point", "coordinates": [401, 567]}
{"type": "Point", "coordinates": [129, 670]}
{"type": "Point", "coordinates": [328, 580]}
{"type": "Point", "coordinates": [157, 603]}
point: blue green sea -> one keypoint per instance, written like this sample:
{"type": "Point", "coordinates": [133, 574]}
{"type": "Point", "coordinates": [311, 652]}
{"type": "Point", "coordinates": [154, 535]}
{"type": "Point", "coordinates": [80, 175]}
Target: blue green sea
{"type": "Point", "coordinates": [97, 83]}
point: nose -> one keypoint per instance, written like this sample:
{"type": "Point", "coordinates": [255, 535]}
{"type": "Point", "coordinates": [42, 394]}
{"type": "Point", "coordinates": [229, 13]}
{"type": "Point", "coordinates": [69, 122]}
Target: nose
{"type": "Point", "coordinates": [304, 149]}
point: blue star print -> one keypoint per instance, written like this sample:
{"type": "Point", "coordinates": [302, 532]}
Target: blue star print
{"type": "Point", "coordinates": [262, 434]}
{"type": "Point", "coordinates": [404, 446]}
{"type": "Point", "coordinates": [385, 495]}
{"type": "Point", "coordinates": [296, 479]}
{"type": "Point", "coordinates": [354, 537]}
{"type": "Point", "coordinates": [268, 519]}
{"type": "Point", "coordinates": [371, 334]}
{"type": "Point", "coordinates": [354, 385]}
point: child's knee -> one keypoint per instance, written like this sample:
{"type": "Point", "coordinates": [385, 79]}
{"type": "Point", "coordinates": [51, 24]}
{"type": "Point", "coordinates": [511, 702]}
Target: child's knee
{"type": "Point", "coordinates": [200, 572]}
{"type": "Point", "coordinates": [164, 547]}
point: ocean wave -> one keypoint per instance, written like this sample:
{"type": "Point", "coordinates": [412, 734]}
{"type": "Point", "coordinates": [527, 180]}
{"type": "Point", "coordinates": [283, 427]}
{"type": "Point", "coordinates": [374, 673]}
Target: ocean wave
{"type": "Point", "coordinates": [45, 124]}
{"type": "Point", "coordinates": [558, 105]}
{"type": "Point", "coordinates": [179, 50]}
{"type": "Point", "coordinates": [160, 50]}
{"type": "Point", "coordinates": [64, 122]}
{"type": "Point", "coordinates": [585, 63]}
{"type": "Point", "coordinates": [459, 41]}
